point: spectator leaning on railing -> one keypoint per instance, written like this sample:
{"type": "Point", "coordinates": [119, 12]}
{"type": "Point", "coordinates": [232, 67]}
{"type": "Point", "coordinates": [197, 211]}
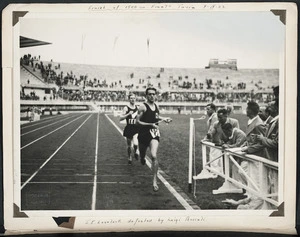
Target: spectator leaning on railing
{"type": "Point", "coordinates": [216, 133]}
{"type": "Point", "coordinates": [252, 146]}
{"type": "Point", "coordinates": [217, 136]}
{"type": "Point", "coordinates": [236, 138]}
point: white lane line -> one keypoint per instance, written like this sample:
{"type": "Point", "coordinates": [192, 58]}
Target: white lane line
{"type": "Point", "coordinates": [36, 123]}
{"type": "Point", "coordinates": [96, 169]}
{"type": "Point", "coordinates": [180, 199]}
{"type": "Point", "coordinates": [50, 133]}
{"type": "Point", "coordinates": [55, 175]}
{"type": "Point", "coordinates": [113, 123]}
{"type": "Point", "coordinates": [46, 182]}
{"type": "Point", "coordinates": [124, 175]}
{"type": "Point", "coordinates": [103, 175]}
{"type": "Point", "coordinates": [45, 126]}
{"type": "Point", "coordinates": [114, 165]}
{"type": "Point", "coordinates": [60, 165]}
{"type": "Point", "coordinates": [53, 154]}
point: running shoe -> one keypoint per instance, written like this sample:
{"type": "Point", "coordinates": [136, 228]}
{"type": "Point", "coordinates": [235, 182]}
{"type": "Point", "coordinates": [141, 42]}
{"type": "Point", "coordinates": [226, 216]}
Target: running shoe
{"type": "Point", "coordinates": [136, 156]}
{"type": "Point", "coordinates": [143, 161]}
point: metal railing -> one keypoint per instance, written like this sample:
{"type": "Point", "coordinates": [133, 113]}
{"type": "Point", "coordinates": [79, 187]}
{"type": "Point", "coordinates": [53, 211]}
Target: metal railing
{"type": "Point", "coordinates": [256, 176]}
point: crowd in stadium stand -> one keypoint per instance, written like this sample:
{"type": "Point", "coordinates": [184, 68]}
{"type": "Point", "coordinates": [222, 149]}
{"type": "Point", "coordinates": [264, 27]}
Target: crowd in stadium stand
{"type": "Point", "coordinates": [259, 139]}
{"type": "Point", "coordinates": [89, 95]}
{"type": "Point", "coordinates": [50, 73]}
{"type": "Point", "coordinates": [30, 96]}
{"type": "Point", "coordinates": [186, 96]}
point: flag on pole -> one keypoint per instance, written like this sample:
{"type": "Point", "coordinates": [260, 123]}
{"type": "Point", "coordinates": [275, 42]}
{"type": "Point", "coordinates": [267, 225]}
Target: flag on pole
{"type": "Point", "coordinates": [115, 42]}
{"type": "Point", "coordinates": [148, 43]}
{"type": "Point", "coordinates": [82, 41]}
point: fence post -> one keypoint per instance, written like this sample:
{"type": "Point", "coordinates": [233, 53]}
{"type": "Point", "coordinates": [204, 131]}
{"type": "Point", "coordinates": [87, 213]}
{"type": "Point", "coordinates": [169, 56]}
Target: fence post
{"type": "Point", "coordinates": [263, 183]}
{"type": "Point", "coordinates": [204, 155]}
{"type": "Point", "coordinates": [191, 148]}
{"type": "Point", "coordinates": [227, 186]}
{"type": "Point", "coordinates": [226, 166]}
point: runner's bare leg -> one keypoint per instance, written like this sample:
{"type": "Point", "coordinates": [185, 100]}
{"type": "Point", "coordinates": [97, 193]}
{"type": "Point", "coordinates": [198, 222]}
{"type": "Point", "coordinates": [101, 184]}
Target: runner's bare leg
{"type": "Point", "coordinates": [143, 150]}
{"type": "Point", "coordinates": [129, 149]}
{"type": "Point", "coordinates": [153, 150]}
{"type": "Point", "coordinates": [135, 146]}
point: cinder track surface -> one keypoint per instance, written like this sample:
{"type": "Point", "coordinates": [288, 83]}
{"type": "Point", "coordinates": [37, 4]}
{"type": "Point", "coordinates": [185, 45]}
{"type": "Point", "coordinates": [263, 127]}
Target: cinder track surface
{"type": "Point", "coordinates": [79, 162]}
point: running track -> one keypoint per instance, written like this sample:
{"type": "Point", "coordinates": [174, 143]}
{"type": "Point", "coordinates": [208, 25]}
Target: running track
{"type": "Point", "coordinates": [79, 162]}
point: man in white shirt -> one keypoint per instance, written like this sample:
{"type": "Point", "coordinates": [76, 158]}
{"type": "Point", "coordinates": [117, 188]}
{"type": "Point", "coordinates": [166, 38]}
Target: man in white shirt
{"type": "Point", "coordinates": [270, 143]}
{"type": "Point", "coordinates": [252, 146]}
{"type": "Point", "coordinates": [215, 133]}
{"type": "Point", "coordinates": [255, 127]}
{"type": "Point", "coordinates": [236, 137]}
{"type": "Point", "coordinates": [270, 139]}
{"type": "Point", "coordinates": [217, 136]}
{"type": "Point", "coordinates": [213, 117]}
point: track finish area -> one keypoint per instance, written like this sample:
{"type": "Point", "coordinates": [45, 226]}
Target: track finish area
{"type": "Point", "coordinates": [79, 162]}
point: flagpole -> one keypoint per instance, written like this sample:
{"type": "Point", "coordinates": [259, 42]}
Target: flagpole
{"type": "Point", "coordinates": [148, 49]}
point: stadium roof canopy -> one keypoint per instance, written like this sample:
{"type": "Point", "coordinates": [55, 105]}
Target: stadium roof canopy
{"type": "Point", "coordinates": [27, 42]}
{"type": "Point", "coordinates": [37, 86]}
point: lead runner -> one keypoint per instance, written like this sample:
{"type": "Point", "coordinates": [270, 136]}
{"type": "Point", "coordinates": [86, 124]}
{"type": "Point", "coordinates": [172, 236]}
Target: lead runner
{"type": "Point", "coordinates": [131, 129]}
{"type": "Point", "coordinates": [148, 118]}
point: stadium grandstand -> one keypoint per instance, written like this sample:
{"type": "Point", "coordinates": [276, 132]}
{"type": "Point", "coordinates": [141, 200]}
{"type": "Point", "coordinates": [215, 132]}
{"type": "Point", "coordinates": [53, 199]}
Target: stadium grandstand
{"type": "Point", "coordinates": [106, 87]}
{"type": "Point", "coordinates": [74, 91]}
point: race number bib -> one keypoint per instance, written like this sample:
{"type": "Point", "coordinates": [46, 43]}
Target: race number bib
{"type": "Point", "coordinates": [132, 121]}
{"type": "Point", "coordinates": [154, 132]}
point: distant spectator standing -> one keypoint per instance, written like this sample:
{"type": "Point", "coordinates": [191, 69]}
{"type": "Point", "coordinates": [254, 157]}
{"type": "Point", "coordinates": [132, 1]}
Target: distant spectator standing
{"type": "Point", "coordinates": [229, 109]}
{"type": "Point", "coordinates": [179, 110]}
{"type": "Point", "coordinates": [213, 117]}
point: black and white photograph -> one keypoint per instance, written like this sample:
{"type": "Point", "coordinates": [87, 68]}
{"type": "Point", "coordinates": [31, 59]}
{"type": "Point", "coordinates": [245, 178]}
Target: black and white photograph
{"type": "Point", "coordinates": [164, 115]}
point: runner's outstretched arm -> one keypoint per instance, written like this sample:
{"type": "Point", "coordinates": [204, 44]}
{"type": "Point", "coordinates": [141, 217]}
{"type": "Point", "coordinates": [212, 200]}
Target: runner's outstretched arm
{"type": "Point", "coordinates": [125, 114]}
{"type": "Point", "coordinates": [165, 119]}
